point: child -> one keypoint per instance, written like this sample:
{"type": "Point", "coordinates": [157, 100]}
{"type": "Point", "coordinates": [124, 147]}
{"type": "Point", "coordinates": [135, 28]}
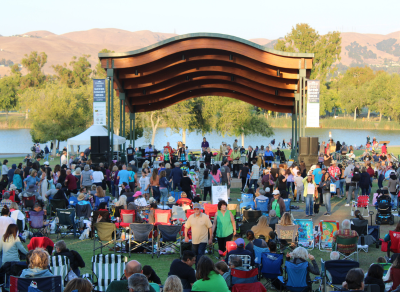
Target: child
{"type": "Point", "coordinates": [144, 183]}
{"type": "Point", "coordinates": [381, 260]}
{"type": "Point", "coordinates": [151, 214]}
{"type": "Point", "coordinates": [139, 201]}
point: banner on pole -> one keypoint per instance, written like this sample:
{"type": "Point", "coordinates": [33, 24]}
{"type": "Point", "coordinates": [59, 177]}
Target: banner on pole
{"type": "Point", "coordinates": [99, 102]}
{"type": "Point", "coordinates": [219, 193]}
{"type": "Point", "coordinates": [313, 87]}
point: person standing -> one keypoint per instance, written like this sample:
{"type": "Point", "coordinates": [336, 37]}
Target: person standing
{"type": "Point", "coordinates": [235, 144]}
{"type": "Point", "coordinates": [334, 172]}
{"type": "Point", "coordinates": [204, 144]}
{"type": "Point", "coordinates": [243, 175]}
{"type": "Point", "coordinates": [71, 183]}
{"type": "Point", "coordinates": [310, 192]}
{"type": "Point", "coordinates": [225, 224]}
{"type": "Point", "coordinates": [326, 192]}
{"type": "Point", "coordinates": [46, 153]}
{"type": "Point", "coordinates": [317, 176]}
{"type": "Point", "coordinates": [176, 177]}
{"type": "Point", "coordinates": [277, 204]}
{"type": "Point", "coordinates": [226, 177]}
{"type": "Point", "coordinates": [201, 231]}
{"type": "Point", "coordinates": [124, 175]}
{"type": "Point", "coordinates": [251, 154]}
{"type": "Point", "coordinates": [254, 175]}
{"type": "Point", "coordinates": [235, 158]}
{"type": "Point", "coordinates": [130, 153]}
{"type": "Point", "coordinates": [186, 184]}
{"type": "Point", "coordinates": [298, 182]}
{"type": "Point", "coordinates": [4, 168]}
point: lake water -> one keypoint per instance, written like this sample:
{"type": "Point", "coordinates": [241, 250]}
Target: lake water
{"type": "Point", "coordinates": [20, 140]}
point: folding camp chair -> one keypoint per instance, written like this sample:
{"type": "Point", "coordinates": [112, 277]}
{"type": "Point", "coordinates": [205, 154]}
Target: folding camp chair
{"type": "Point", "coordinates": [178, 213]}
{"type": "Point", "coordinates": [233, 209]}
{"type": "Point", "coordinates": [176, 195]}
{"type": "Point", "coordinates": [306, 233]}
{"type": "Point", "coordinates": [59, 266]}
{"type": "Point", "coordinates": [104, 214]}
{"type": "Point", "coordinates": [287, 205]}
{"type": "Point", "coordinates": [230, 245]}
{"type": "Point", "coordinates": [106, 232]}
{"type": "Point", "coordinates": [271, 267]}
{"type": "Point", "coordinates": [73, 201]}
{"type": "Point", "coordinates": [244, 277]}
{"type": "Point", "coordinates": [252, 287]}
{"type": "Point", "coordinates": [82, 212]}
{"type": "Point", "coordinates": [246, 260]}
{"type": "Point", "coordinates": [141, 234]}
{"type": "Point", "coordinates": [162, 216]}
{"type": "Point", "coordinates": [168, 236]}
{"type": "Point", "coordinates": [334, 273]}
{"type": "Point", "coordinates": [346, 246]}
{"type": "Point", "coordinates": [326, 229]}
{"type": "Point", "coordinates": [257, 254]}
{"type": "Point", "coordinates": [211, 209]}
{"type": "Point", "coordinates": [117, 212]}
{"type": "Point", "coordinates": [361, 227]}
{"type": "Point", "coordinates": [98, 201]}
{"type": "Point", "coordinates": [287, 233]}
{"type": "Point", "coordinates": [66, 222]}
{"type": "Point", "coordinates": [362, 203]}
{"type": "Point", "coordinates": [36, 222]}
{"type": "Point", "coordinates": [296, 277]}
{"type": "Point", "coordinates": [246, 201]}
{"type": "Point", "coordinates": [29, 202]}
{"type": "Point", "coordinates": [262, 205]}
{"type": "Point", "coordinates": [127, 217]}
{"type": "Point", "coordinates": [57, 204]}
{"type": "Point", "coordinates": [48, 284]}
{"type": "Point", "coordinates": [107, 268]}
{"type": "Point", "coordinates": [394, 243]}
{"type": "Point", "coordinates": [385, 267]}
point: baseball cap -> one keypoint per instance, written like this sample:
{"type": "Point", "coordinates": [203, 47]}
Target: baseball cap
{"type": "Point", "coordinates": [46, 163]}
{"type": "Point", "coordinates": [58, 186]}
{"type": "Point", "coordinates": [196, 206]}
{"type": "Point", "coordinates": [239, 241]}
{"type": "Point", "coordinates": [276, 192]}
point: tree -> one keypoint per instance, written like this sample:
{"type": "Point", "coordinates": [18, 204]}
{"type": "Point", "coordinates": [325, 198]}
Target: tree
{"type": "Point", "coordinates": [34, 64]}
{"type": "Point", "coordinates": [78, 76]}
{"type": "Point", "coordinates": [8, 93]}
{"type": "Point", "coordinates": [305, 39]}
{"type": "Point", "coordinates": [57, 111]}
{"type": "Point", "coordinates": [150, 121]}
{"type": "Point", "coordinates": [353, 98]}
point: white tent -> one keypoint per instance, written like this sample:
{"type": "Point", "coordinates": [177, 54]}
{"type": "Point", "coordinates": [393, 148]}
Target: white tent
{"type": "Point", "coordinates": [95, 130]}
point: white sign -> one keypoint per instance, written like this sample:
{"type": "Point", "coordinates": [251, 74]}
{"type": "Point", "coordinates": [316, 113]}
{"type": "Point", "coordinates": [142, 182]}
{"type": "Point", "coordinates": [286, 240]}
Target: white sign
{"type": "Point", "coordinates": [313, 103]}
{"type": "Point", "coordinates": [219, 193]}
{"type": "Point", "coordinates": [99, 113]}
{"type": "Point", "coordinates": [99, 102]}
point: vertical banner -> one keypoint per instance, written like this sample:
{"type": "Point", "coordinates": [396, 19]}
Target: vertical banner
{"type": "Point", "coordinates": [99, 102]}
{"type": "Point", "coordinates": [313, 103]}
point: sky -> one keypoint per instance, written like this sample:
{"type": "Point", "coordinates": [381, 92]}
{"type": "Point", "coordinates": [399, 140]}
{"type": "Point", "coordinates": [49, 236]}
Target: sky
{"type": "Point", "coordinates": [246, 19]}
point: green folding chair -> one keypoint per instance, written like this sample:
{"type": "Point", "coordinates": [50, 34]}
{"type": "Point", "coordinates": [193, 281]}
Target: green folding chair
{"type": "Point", "coordinates": [346, 247]}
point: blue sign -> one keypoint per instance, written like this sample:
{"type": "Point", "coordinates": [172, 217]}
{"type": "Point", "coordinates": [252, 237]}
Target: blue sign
{"type": "Point", "coordinates": [99, 90]}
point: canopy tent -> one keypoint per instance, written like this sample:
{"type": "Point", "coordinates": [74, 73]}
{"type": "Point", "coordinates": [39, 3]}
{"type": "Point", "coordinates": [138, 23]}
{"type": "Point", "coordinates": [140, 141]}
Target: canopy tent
{"type": "Point", "coordinates": [95, 130]}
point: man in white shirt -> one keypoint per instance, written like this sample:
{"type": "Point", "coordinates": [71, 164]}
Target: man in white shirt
{"type": "Point", "coordinates": [298, 182]}
{"type": "Point", "coordinates": [255, 175]}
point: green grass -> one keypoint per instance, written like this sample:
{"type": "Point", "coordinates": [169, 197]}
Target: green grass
{"type": "Point", "coordinates": [15, 121]}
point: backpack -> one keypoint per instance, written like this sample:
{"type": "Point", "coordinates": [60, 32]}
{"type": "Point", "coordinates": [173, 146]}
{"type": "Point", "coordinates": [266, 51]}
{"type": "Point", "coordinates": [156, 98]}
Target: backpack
{"type": "Point", "coordinates": [33, 148]}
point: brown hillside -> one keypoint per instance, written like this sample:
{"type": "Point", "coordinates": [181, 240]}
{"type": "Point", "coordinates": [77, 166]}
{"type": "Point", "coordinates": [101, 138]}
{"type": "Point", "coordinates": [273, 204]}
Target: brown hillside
{"type": "Point", "coordinates": [39, 33]}
{"type": "Point", "coordinates": [260, 41]}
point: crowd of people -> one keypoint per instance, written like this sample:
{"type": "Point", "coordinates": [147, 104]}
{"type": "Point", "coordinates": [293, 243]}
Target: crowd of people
{"type": "Point", "coordinates": [263, 174]}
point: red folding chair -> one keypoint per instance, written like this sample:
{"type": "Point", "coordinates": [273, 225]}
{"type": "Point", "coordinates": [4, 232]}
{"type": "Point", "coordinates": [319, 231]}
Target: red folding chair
{"type": "Point", "coordinates": [191, 212]}
{"type": "Point", "coordinates": [127, 217]}
{"type": "Point", "coordinates": [29, 202]}
{"type": "Point", "coordinates": [211, 209]}
{"type": "Point", "coordinates": [362, 203]}
{"type": "Point", "coordinates": [394, 242]}
{"type": "Point", "coordinates": [162, 216]}
{"type": "Point", "coordinates": [230, 245]}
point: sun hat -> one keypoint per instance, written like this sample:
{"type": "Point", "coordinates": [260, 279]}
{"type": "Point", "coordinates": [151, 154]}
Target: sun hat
{"type": "Point", "coordinates": [13, 187]}
{"type": "Point", "coordinates": [276, 192]}
{"type": "Point", "coordinates": [81, 197]}
{"type": "Point", "coordinates": [171, 200]}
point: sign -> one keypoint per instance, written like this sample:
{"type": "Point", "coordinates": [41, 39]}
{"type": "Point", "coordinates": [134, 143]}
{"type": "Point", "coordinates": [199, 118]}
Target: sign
{"type": "Point", "coordinates": [313, 103]}
{"type": "Point", "coordinates": [99, 102]}
{"type": "Point", "coordinates": [219, 193]}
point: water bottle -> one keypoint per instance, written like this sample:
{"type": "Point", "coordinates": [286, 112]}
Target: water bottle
{"type": "Point", "coordinates": [123, 236]}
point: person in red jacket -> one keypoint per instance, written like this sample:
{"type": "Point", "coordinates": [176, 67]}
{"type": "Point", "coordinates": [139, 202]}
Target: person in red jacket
{"type": "Point", "coordinates": [42, 242]}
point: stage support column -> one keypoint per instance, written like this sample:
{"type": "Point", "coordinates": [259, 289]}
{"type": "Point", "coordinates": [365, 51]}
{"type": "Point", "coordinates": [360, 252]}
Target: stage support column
{"type": "Point", "coordinates": [110, 76]}
{"type": "Point", "coordinates": [303, 76]}
{"type": "Point", "coordinates": [122, 124]}
{"type": "Point", "coordinates": [132, 117]}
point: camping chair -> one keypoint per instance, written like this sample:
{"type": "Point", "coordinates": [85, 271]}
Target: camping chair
{"type": "Point", "coordinates": [246, 201]}
{"type": "Point", "coordinates": [287, 205]}
{"type": "Point", "coordinates": [104, 214]}
{"type": "Point", "coordinates": [244, 277]}
{"type": "Point", "coordinates": [346, 246]}
{"type": "Point", "coordinates": [178, 213]}
{"type": "Point", "coordinates": [48, 284]}
{"type": "Point", "coordinates": [233, 209]}
{"type": "Point", "coordinates": [246, 260]}
{"type": "Point", "coordinates": [127, 217]}
{"type": "Point", "coordinates": [262, 205]}
{"type": "Point", "coordinates": [362, 203]}
{"type": "Point", "coordinates": [288, 233]}
{"type": "Point", "coordinates": [59, 266]}
{"type": "Point", "coordinates": [98, 201]}
{"type": "Point", "coordinates": [361, 227]}
{"type": "Point", "coordinates": [271, 264]}
{"type": "Point", "coordinates": [162, 216]}
{"type": "Point", "coordinates": [107, 268]}
{"type": "Point", "coordinates": [333, 273]}
{"type": "Point", "coordinates": [117, 212]}
{"type": "Point", "coordinates": [36, 222]}
{"type": "Point", "coordinates": [106, 232]}
{"type": "Point", "coordinates": [167, 237]}
{"type": "Point", "coordinates": [296, 277]}
{"type": "Point", "coordinates": [211, 210]}
{"type": "Point", "coordinates": [326, 229]}
{"type": "Point", "coordinates": [306, 233]}
{"type": "Point", "coordinates": [29, 202]}
{"type": "Point", "coordinates": [82, 212]}
{"type": "Point", "coordinates": [176, 195]}
{"type": "Point", "coordinates": [57, 204]}
{"type": "Point", "coordinates": [252, 287]}
{"type": "Point", "coordinates": [257, 254]}
{"type": "Point", "coordinates": [394, 243]}
{"type": "Point", "coordinates": [230, 245]}
{"type": "Point", "coordinates": [385, 267]}
{"type": "Point", "coordinates": [73, 201]}
{"type": "Point", "coordinates": [66, 222]}
{"type": "Point", "coordinates": [141, 235]}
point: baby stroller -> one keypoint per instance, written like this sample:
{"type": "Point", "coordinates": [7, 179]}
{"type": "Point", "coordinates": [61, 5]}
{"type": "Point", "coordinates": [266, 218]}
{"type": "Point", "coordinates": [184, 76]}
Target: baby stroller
{"type": "Point", "coordinates": [384, 209]}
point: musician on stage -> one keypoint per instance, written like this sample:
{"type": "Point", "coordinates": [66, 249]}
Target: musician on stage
{"type": "Point", "coordinates": [148, 151]}
{"type": "Point", "coordinates": [130, 153]}
{"type": "Point", "coordinates": [168, 151]}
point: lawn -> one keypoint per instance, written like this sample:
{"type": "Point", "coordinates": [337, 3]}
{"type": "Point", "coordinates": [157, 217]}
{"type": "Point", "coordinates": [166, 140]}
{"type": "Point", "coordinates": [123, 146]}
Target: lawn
{"type": "Point", "coordinates": [161, 265]}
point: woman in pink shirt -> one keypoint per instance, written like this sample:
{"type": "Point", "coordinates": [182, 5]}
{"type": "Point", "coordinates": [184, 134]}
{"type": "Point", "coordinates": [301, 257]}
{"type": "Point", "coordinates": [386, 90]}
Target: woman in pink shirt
{"type": "Point", "coordinates": [216, 173]}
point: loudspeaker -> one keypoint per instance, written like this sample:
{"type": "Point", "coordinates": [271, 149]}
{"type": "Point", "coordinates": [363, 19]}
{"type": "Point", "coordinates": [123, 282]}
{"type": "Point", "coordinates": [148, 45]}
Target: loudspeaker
{"type": "Point", "coordinates": [304, 146]}
{"type": "Point", "coordinates": [313, 146]}
{"type": "Point", "coordinates": [100, 144]}
{"type": "Point", "coordinates": [99, 158]}
{"type": "Point", "coordinates": [251, 216]}
{"type": "Point", "coordinates": [309, 160]}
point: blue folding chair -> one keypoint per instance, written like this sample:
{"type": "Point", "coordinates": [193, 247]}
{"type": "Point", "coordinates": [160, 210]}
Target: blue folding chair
{"type": "Point", "coordinates": [50, 284]}
{"type": "Point", "coordinates": [271, 267]}
{"type": "Point", "coordinates": [287, 204]}
{"type": "Point", "coordinates": [334, 272]}
{"type": "Point", "coordinates": [262, 205]}
{"type": "Point", "coordinates": [176, 195]}
{"type": "Point", "coordinates": [72, 201]}
{"type": "Point", "coordinates": [257, 254]}
{"type": "Point", "coordinates": [101, 200]}
{"type": "Point", "coordinates": [296, 277]}
{"type": "Point", "coordinates": [247, 201]}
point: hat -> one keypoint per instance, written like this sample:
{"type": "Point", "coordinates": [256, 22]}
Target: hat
{"type": "Point", "coordinates": [196, 206]}
{"type": "Point", "coordinates": [127, 188]}
{"type": "Point", "coordinates": [171, 200]}
{"type": "Point", "coordinates": [333, 162]}
{"type": "Point", "coordinates": [46, 163]}
{"type": "Point", "coordinates": [184, 163]}
{"type": "Point", "coordinates": [150, 145]}
{"type": "Point", "coordinates": [32, 188]}
{"type": "Point", "coordinates": [152, 200]}
{"type": "Point", "coordinates": [137, 194]}
{"type": "Point", "coordinates": [13, 187]}
{"type": "Point", "coordinates": [81, 197]}
{"type": "Point", "coordinates": [239, 241]}
{"type": "Point", "coordinates": [267, 189]}
{"type": "Point", "coordinates": [229, 145]}
{"type": "Point", "coordinates": [276, 192]}
{"type": "Point", "coordinates": [58, 186]}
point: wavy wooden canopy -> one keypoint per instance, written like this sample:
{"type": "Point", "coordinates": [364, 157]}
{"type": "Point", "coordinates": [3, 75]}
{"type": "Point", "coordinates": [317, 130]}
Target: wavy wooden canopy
{"type": "Point", "coordinates": [203, 64]}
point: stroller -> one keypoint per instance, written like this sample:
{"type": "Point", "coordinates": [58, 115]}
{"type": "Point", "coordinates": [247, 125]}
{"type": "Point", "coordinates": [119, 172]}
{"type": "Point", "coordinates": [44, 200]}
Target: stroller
{"type": "Point", "coordinates": [384, 209]}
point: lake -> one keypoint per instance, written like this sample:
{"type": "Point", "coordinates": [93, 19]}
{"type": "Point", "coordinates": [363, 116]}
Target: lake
{"type": "Point", "coordinates": [20, 140]}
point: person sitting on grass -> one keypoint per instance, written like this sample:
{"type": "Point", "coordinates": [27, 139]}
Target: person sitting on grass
{"type": "Point", "coordinates": [151, 275]}
{"type": "Point", "coordinates": [38, 265]}
{"type": "Point", "coordinates": [74, 257]}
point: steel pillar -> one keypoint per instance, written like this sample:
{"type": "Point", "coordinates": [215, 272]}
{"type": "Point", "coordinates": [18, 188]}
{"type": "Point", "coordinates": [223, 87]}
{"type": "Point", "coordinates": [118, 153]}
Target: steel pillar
{"type": "Point", "coordinates": [122, 123]}
{"type": "Point", "coordinates": [303, 76]}
{"type": "Point", "coordinates": [132, 117]}
{"type": "Point", "coordinates": [110, 74]}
